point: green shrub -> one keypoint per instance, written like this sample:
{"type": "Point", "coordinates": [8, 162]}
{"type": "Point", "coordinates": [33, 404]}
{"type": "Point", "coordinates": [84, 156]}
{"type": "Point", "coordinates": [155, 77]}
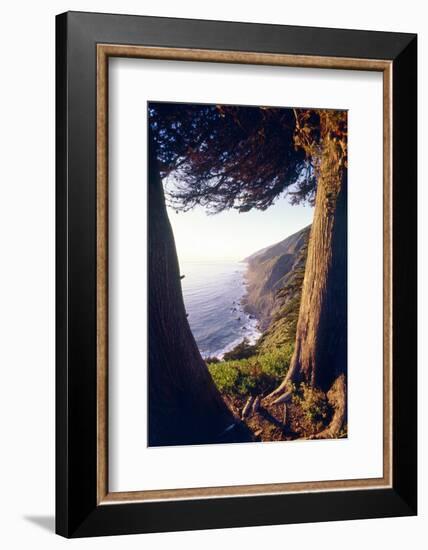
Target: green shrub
{"type": "Point", "coordinates": [313, 402]}
{"type": "Point", "coordinates": [275, 363]}
{"type": "Point", "coordinates": [225, 377]}
{"type": "Point", "coordinates": [255, 375]}
{"type": "Point", "coordinates": [243, 350]}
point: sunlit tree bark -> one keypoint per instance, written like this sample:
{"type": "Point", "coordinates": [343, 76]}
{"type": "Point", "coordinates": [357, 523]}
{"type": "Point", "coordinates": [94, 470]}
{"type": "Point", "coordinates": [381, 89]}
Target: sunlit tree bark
{"type": "Point", "coordinates": [320, 354]}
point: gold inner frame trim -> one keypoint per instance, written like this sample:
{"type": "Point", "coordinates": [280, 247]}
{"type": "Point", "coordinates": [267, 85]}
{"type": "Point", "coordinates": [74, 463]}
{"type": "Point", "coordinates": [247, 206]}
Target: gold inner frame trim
{"type": "Point", "coordinates": [104, 51]}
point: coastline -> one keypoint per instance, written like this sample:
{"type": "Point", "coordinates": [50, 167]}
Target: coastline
{"type": "Point", "coordinates": [214, 294]}
{"type": "Point", "coordinates": [253, 332]}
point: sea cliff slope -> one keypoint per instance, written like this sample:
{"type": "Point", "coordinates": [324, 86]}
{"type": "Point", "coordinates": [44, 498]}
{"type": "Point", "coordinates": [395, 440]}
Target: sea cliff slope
{"type": "Point", "coordinates": [274, 281]}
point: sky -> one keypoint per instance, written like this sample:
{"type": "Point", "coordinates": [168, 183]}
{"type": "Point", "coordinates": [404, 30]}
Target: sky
{"type": "Point", "coordinates": [231, 235]}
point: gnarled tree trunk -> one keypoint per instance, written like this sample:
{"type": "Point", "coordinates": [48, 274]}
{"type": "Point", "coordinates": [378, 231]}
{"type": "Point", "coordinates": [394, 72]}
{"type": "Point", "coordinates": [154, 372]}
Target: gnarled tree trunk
{"type": "Point", "coordinates": [185, 407]}
{"type": "Point", "coordinates": [320, 354]}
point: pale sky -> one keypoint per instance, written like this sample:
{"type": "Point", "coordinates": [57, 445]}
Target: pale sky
{"type": "Point", "coordinates": [234, 236]}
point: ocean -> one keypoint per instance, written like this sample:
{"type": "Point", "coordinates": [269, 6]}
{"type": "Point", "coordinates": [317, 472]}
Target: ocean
{"type": "Point", "coordinates": [212, 292]}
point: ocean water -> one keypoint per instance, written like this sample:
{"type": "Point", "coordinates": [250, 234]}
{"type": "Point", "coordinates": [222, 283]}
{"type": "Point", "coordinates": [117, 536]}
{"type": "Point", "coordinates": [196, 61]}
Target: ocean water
{"type": "Point", "coordinates": [212, 293]}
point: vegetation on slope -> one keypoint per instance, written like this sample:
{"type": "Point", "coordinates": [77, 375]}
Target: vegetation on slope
{"type": "Point", "coordinates": [255, 375]}
{"type": "Point", "coordinates": [285, 311]}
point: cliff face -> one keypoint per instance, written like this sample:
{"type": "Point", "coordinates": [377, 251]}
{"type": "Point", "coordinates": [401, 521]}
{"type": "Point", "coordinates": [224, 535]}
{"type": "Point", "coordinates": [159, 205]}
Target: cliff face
{"type": "Point", "coordinates": [274, 282]}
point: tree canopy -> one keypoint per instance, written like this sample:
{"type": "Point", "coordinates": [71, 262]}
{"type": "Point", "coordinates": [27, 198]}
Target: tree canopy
{"type": "Point", "coordinates": [240, 157]}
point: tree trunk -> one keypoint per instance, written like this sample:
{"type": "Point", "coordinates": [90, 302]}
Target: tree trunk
{"type": "Point", "coordinates": [320, 354]}
{"type": "Point", "coordinates": [185, 407]}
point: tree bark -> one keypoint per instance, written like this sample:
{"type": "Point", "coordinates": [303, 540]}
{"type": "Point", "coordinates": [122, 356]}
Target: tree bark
{"type": "Point", "coordinates": [320, 354]}
{"type": "Point", "coordinates": [185, 407]}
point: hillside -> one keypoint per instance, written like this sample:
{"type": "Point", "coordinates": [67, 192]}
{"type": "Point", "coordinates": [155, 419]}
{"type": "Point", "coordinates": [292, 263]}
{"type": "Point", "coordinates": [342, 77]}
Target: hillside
{"type": "Point", "coordinates": [274, 280]}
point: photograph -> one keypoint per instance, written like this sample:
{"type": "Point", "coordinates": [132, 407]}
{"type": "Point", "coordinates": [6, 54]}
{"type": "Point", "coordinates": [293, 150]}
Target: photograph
{"type": "Point", "coordinates": [247, 262]}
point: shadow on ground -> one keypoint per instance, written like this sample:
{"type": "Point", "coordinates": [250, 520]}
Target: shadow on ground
{"type": "Point", "coordinates": [45, 522]}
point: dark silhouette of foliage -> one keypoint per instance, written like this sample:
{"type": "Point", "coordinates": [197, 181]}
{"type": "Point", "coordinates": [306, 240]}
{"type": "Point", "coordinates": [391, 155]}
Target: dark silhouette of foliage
{"type": "Point", "coordinates": [225, 157]}
{"type": "Point", "coordinates": [241, 351]}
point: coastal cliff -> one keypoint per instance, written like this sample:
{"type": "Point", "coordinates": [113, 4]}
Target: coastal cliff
{"type": "Point", "coordinates": [274, 282]}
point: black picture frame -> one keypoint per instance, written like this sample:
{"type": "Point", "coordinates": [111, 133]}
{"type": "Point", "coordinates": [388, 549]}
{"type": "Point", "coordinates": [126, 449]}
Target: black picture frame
{"type": "Point", "coordinates": [77, 512]}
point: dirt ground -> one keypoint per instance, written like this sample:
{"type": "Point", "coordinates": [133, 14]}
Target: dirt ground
{"type": "Point", "coordinates": [277, 422]}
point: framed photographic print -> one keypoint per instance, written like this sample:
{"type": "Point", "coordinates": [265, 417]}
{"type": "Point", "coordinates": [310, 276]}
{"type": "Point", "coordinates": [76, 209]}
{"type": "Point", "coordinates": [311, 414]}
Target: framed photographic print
{"type": "Point", "coordinates": [236, 274]}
